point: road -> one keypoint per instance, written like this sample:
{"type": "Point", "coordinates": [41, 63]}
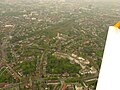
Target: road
{"type": "Point", "coordinates": [39, 65]}
{"type": "Point", "coordinates": [64, 55]}
{"type": "Point", "coordinates": [4, 61]}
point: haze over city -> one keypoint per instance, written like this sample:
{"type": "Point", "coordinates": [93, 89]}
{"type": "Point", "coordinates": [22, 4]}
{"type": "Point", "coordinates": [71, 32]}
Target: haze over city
{"type": "Point", "coordinates": [53, 45]}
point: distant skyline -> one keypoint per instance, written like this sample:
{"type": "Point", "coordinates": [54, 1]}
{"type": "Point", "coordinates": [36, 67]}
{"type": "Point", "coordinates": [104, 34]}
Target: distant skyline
{"type": "Point", "coordinates": [57, 0]}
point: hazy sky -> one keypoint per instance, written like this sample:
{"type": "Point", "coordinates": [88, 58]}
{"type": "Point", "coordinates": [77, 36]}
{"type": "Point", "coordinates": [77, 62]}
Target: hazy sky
{"type": "Point", "coordinates": [57, 0]}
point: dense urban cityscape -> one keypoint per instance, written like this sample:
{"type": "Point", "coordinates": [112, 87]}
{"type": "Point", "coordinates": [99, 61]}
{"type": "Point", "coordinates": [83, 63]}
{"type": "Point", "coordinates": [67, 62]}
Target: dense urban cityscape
{"type": "Point", "coordinates": [53, 45]}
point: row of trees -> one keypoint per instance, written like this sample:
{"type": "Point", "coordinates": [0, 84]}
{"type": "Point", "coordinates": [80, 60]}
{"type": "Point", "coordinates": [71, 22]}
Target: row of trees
{"type": "Point", "coordinates": [61, 65]}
